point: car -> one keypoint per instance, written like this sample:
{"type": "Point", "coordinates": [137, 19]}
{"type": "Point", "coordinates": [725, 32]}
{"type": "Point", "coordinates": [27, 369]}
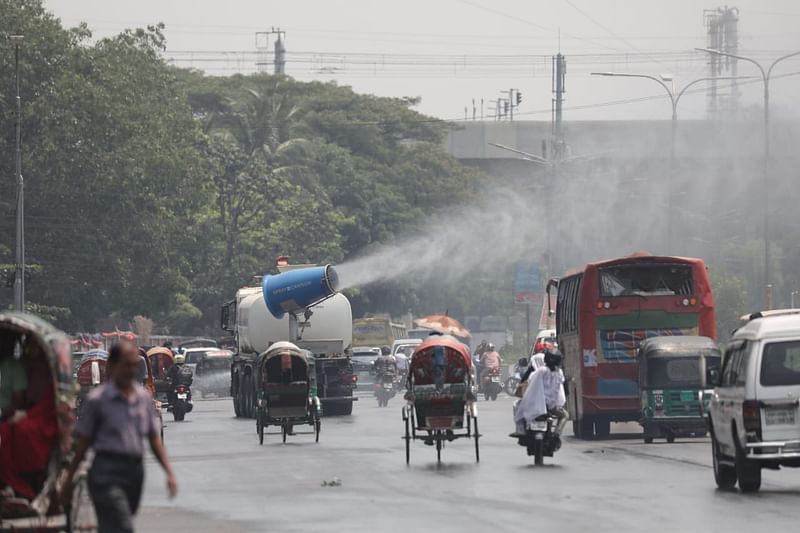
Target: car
{"type": "Point", "coordinates": [753, 411]}
{"type": "Point", "coordinates": [544, 336]}
{"type": "Point", "coordinates": [363, 357]}
{"type": "Point", "coordinates": [406, 345]}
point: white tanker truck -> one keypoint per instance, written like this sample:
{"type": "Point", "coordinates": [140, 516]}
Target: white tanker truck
{"type": "Point", "coordinates": [325, 328]}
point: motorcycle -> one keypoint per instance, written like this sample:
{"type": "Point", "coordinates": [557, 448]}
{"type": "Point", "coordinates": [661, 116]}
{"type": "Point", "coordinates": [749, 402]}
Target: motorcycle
{"type": "Point", "coordinates": [183, 402]}
{"type": "Point", "coordinates": [492, 384]}
{"type": "Point", "coordinates": [540, 440]}
{"type": "Point", "coordinates": [385, 389]}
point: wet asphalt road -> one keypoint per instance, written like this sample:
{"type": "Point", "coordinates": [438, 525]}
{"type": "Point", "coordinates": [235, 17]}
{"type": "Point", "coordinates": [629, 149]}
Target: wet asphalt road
{"type": "Point", "coordinates": [230, 483]}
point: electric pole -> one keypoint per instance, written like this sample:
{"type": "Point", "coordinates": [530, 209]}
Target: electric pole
{"type": "Point", "coordinates": [19, 273]}
{"type": "Point", "coordinates": [559, 88]}
{"type": "Point", "coordinates": [279, 52]}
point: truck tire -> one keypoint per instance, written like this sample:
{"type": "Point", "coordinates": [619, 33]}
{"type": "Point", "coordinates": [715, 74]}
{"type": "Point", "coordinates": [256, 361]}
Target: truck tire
{"type": "Point", "coordinates": [237, 393]}
{"type": "Point", "coordinates": [337, 408]}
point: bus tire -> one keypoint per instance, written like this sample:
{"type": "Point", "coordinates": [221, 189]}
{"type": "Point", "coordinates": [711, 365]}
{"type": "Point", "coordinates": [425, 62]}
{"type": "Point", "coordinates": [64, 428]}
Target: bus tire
{"type": "Point", "coordinates": [585, 428]}
{"type": "Point", "coordinates": [602, 428]}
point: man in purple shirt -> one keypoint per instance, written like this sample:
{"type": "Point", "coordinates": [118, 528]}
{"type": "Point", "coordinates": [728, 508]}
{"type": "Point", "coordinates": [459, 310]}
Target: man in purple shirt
{"type": "Point", "coordinates": [117, 416]}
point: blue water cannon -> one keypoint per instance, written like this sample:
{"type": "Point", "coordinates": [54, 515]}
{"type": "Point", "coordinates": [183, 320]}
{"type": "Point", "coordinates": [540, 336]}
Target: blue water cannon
{"type": "Point", "coordinates": [295, 291]}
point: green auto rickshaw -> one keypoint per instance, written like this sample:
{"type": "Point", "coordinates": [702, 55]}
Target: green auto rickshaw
{"type": "Point", "coordinates": [673, 378]}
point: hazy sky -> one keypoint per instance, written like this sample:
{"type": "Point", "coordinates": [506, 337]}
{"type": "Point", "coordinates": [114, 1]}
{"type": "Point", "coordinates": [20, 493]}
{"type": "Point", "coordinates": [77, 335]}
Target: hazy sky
{"type": "Point", "coordinates": [444, 44]}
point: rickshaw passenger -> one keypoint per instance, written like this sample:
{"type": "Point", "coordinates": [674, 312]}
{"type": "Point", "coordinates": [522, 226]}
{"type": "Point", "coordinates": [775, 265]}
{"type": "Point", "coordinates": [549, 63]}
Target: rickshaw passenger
{"type": "Point", "coordinates": [13, 380]}
{"type": "Point", "coordinates": [28, 436]}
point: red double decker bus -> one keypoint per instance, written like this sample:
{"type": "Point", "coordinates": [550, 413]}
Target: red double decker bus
{"type": "Point", "coordinates": [603, 313]}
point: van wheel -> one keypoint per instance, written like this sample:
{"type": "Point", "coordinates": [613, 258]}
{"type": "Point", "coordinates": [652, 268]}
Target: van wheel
{"type": "Point", "coordinates": [724, 475]}
{"type": "Point", "coordinates": [748, 472]}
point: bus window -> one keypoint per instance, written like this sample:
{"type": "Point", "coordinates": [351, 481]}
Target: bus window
{"type": "Point", "coordinates": [646, 280]}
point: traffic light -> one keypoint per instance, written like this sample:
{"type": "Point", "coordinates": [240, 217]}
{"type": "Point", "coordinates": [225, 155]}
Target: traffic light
{"type": "Point", "coordinates": [519, 97]}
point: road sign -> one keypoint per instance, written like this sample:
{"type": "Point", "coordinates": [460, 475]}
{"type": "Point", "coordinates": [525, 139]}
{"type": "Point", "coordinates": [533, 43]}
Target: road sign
{"type": "Point", "coordinates": [527, 283]}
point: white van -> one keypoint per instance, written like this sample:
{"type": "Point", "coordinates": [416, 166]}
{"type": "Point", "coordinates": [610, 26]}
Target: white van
{"type": "Point", "coordinates": [753, 412]}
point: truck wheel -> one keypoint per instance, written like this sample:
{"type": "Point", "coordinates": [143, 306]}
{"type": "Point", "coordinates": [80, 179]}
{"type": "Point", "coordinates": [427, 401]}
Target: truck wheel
{"type": "Point", "coordinates": [237, 395]}
{"type": "Point", "coordinates": [337, 409]}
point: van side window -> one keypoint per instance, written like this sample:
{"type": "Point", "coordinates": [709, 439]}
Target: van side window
{"type": "Point", "coordinates": [731, 364]}
{"type": "Point", "coordinates": [743, 363]}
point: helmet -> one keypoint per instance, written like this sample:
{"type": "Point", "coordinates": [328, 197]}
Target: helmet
{"type": "Point", "coordinates": [490, 347]}
{"type": "Point", "coordinates": [553, 358]}
{"type": "Point", "coordinates": [180, 359]}
{"type": "Point", "coordinates": [385, 350]}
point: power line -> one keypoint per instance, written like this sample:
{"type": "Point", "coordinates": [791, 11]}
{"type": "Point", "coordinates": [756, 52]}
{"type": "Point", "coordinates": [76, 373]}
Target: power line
{"type": "Point", "coordinates": [556, 32]}
{"type": "Point", "coordinates": [604, 27]}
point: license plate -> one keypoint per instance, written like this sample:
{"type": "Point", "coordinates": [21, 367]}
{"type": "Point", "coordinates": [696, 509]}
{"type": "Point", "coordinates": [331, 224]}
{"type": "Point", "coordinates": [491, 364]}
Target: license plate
{"type": "Point", "coordinates": [780, 416]}
{"type": "Point", "coordinates": [387, 385]}
{"type": "Point", "coordinates": [495, 379]}
{"type": "Point", "coordinates": [181, 396]}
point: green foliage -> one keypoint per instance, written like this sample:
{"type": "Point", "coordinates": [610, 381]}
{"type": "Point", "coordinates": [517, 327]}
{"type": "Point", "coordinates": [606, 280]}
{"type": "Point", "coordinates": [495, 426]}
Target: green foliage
{"type": "Point", "coordinates": [158, 191]}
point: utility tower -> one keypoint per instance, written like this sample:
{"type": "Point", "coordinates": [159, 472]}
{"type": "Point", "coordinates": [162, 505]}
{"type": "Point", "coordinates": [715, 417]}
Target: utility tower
{"type": "Point", "coordinates": [722, 30]}
{"type": "Point", "coordinates": [279, 50]}
{"type": "Point", "coordinates": [559, 88]}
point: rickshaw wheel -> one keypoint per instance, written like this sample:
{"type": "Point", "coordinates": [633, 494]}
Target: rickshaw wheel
{"type": "Point", "coordinates": [670, 438]}
{"type": "Point", "coordinates": [408, 440]}
{"type": "Point", "coordinates": [317, 427]}
{"type": "Point", "coordinates": [284, 432]}
{"type": "Point", "coordinates": [81, 515]}
{"type": "Point", "coordinates": [648, 440]}
{"type": "Point", "coordinates": [438, 438]}
{"type": "Point", "coordinates": [476, 436]}
{"type": "Point", "coordinates": [260, 427]}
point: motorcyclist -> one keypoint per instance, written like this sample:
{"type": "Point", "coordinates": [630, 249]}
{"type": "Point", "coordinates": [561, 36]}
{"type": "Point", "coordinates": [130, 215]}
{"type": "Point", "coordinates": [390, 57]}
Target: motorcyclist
{"type": "Point", "coordinates": [401, 360]}
{"type": "Point", "coordinates": [179, 374]}
{"type": "Point", "coordinates": [385, 364]}
{"type": "Point", "coordinates": [490, 360]}
{"type": "Point", "coordinates": [545, 393]}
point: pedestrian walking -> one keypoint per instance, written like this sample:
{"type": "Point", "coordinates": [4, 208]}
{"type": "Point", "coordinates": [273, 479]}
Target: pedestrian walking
{"type": "Point", "coordinates": [117, 417]}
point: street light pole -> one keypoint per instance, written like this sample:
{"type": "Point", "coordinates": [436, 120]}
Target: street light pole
{"type": "Point", "coordinates": [674, 99]}
{"type": "Point", "coordinates": [19, 272]}
{"type": "Point", "coordinates": [766, 74]}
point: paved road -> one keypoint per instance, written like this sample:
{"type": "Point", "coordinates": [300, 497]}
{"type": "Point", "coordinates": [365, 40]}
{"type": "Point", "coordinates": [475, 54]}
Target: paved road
{"type": "Point", "coordinates": [230, 483]}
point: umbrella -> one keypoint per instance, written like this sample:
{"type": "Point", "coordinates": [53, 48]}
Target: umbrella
{"type": "Point", "coordinates": [443, 324]}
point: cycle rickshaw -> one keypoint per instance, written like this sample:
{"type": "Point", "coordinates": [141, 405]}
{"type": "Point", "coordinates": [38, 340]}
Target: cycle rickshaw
{"type": "Point", "coordinates": [287, 390]}
{"type": "Point", "coordinates": [441, 395]}
{"type": "Point", "coordinates": [36, 449]}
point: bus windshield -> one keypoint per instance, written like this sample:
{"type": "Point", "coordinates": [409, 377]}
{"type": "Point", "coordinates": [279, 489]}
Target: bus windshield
{"type": "Point", "coordinates": [646, 280]}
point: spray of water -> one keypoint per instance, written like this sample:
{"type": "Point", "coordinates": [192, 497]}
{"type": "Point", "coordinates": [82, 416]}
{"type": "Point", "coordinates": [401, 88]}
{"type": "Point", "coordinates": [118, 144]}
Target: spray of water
{"type": "Point", "coordinates": [455, 244]}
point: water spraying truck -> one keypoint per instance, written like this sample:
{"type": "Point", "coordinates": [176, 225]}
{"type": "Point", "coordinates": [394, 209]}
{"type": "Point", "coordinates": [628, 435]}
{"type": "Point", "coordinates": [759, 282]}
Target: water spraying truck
{"type": "Point", "coordinates": [302, 305]}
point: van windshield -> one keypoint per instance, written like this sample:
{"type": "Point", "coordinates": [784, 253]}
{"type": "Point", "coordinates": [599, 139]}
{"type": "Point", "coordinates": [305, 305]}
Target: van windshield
{"type": "Point", "coordinates": [780, 364]}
